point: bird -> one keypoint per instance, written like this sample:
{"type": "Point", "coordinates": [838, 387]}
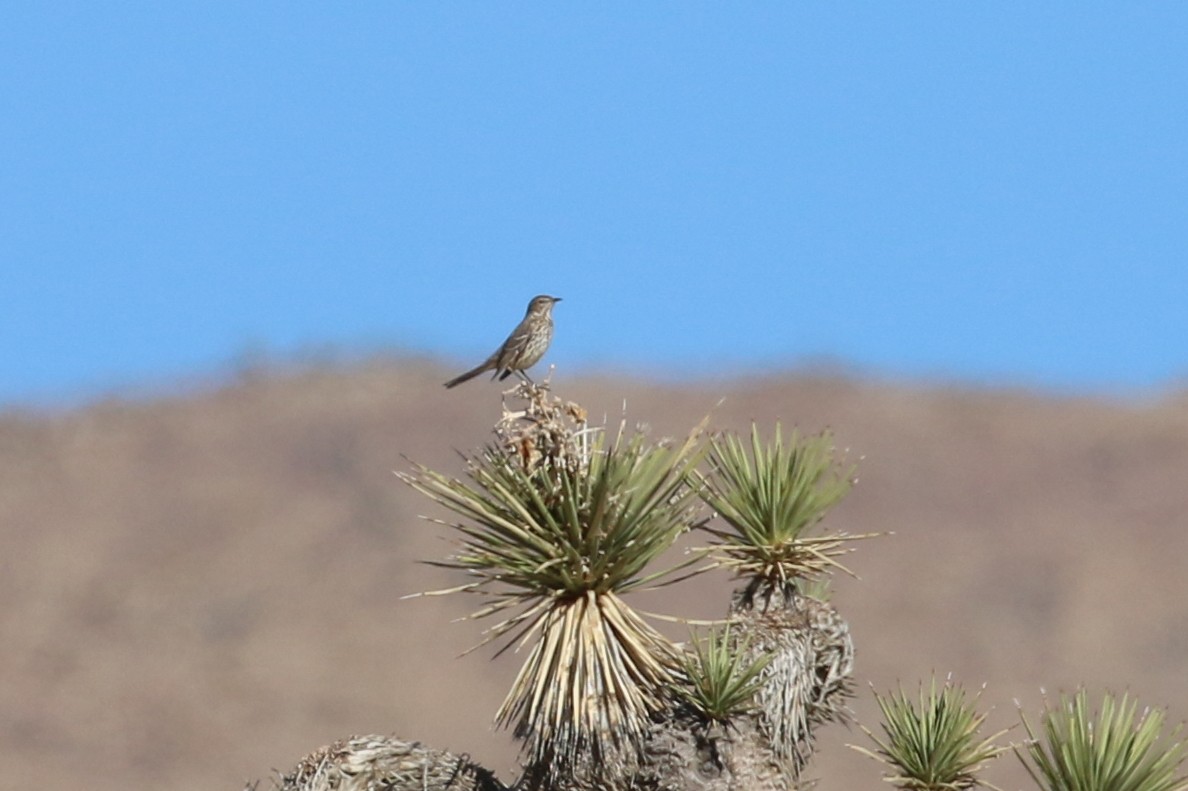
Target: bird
{"type": "Point", "coordinates": [525, 346]}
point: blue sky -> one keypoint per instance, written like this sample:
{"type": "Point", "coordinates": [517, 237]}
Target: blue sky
{"type": "Point", "coordinates": [989, 192]}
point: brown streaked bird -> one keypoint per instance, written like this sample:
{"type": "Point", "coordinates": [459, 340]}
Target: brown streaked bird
{"type": "Point", "coordinates": [523, 348]}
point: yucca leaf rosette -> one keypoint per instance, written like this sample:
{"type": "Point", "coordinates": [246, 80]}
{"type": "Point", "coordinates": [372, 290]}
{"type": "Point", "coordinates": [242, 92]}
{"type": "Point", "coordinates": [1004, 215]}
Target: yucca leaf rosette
{"type": "Point", "coordinates": [1116, 748]}
{"type": "Point", "coordinates": [933, 742]}
{"type": "Point", "coordinates": [722, 676]}
{"type": "Point", "coordinates": [553, 539]}
{"type": "Point", "coordinates": [771, 496]}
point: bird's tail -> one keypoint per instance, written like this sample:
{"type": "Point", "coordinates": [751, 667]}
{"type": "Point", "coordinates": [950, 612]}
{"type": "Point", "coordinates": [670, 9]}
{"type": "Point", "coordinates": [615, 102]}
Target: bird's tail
{"type": "Point", "coordinates": [466, 377]}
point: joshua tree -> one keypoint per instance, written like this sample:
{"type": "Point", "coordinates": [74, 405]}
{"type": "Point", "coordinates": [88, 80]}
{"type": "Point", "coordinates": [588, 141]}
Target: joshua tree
{"type": "Point", "coordinates": [558, 521]}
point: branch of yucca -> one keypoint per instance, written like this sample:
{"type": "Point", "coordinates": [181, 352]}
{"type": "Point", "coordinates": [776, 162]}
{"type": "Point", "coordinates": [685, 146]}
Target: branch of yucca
{"type": "Point", "coordinates": [933, 743]}
{"type": "Point", "coordinates": [1117, 747]}
{"type": "Point", "coordinates": [770, 496]}
{"type": "Point", "coordinates": [552, 542]}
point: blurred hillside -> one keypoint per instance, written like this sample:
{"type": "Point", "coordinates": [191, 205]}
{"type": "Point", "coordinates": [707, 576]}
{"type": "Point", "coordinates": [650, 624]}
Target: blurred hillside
{"type": "Point", "coordinates": [199, 588]}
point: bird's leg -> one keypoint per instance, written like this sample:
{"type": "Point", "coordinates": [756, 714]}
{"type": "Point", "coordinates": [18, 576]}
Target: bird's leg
{"type": "Point", "coordinates": [544, 385]}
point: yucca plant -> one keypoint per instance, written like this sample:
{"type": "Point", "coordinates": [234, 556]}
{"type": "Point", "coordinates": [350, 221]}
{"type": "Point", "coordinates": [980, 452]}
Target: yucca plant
{"type": "Point", "coordinates": [558, 522]}
{"type": "Point", "coordinates": [932, 743]}
{"type": "Point", "coordinates": [722, 676]}
{"type": "Point", "coordinates": [1119, 749]}
{"type": "Point", "coordinates": [770, 496]}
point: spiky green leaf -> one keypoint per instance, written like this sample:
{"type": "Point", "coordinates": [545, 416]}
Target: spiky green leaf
{"type": "Point", "coordinates": [932, 743]}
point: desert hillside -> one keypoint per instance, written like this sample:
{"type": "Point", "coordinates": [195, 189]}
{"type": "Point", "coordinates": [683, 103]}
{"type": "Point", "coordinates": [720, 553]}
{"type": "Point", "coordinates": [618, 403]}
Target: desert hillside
{"type": "Point", "coordinates": [198, 588]}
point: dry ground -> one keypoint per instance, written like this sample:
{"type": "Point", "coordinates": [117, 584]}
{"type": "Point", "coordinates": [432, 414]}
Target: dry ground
{"type": "Point", "coordinates": [201, 587]}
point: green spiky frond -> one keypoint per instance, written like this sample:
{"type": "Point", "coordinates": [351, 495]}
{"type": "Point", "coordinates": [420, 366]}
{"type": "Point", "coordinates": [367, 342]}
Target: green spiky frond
{"type": "Point", "coordinates": [932, 743]}
{"type": "Point", "coordinates": [722, 680]}
{"type": "Point", "coordinates": [771, 496]}
{"type": "Point", "coordinates": [1119, 749]}
{"type": "Point", "coordinates": [532, 534]}
{"type": "Point", "coordinates": [557, 522]}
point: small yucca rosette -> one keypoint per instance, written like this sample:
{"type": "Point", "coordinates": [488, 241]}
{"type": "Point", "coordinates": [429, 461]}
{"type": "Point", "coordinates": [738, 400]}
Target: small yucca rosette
{"type": "Point", "coordinates": [933, 742]}
{"type": "Point", "coordinates": [771, 495]}
{"type": "Point", "coordinates": [1116, 747]}
{"type": "Point", "coordinates": [722, 675]}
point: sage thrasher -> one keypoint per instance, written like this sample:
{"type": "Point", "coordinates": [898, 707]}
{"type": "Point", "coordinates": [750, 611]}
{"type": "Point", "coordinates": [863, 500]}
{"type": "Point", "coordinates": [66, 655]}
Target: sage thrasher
{"type": "Point", "coordinates": [523, 348]}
